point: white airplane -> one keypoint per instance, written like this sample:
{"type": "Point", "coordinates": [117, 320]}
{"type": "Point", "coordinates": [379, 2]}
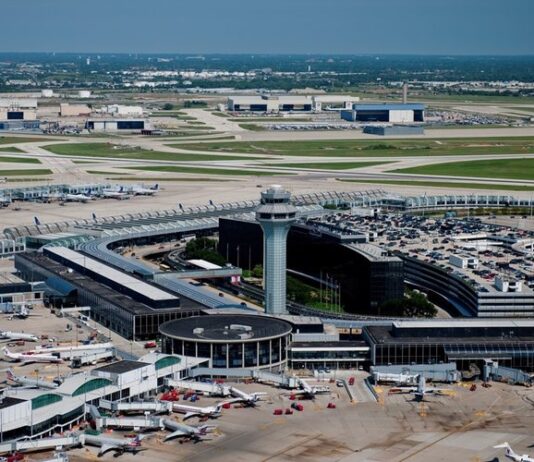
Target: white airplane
{"type": "Point", "coordinates": [513, 455]}
{"type": "Point", "coordinates": [192, 411]}
{"type": "Point", "coordinates": [30, 383]}
{"type": "Point", "coordinates": [76, 198]}
{"type": "Point", "coordinates": [21, 312]}
{"type": "Point", "coordinates": [245, 398]}
{"type": "Point", "coordinates": [308, 391]}
{"type": "Point", "coordinates": [8, 335]}
{"type": "Point", "coordinates": [141, 191]}
{"type": "Point", "coordinates": [62, 349]}
{"type": "Point", "coordinates": [420, 390]}
{"type": "Point", "coordinates": [113, 194]}
{"type": "Point", "coordinates": [30, 357]}
{"type": "Point", "coordinates": [120, 446]}
{"type": "Point", "coordinates": [186, 431]}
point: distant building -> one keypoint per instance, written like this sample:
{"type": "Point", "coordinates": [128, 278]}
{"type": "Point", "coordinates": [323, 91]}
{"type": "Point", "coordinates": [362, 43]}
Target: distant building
{"type": "Point", "coordinates": [289, 103]}
{"type": "Point", "coordinates": [74, 110]}
{"type": "Point", "coordinates": [385, 112]}
{"type": "Point", "coordinates": [113, 125]}
{"type": "Point", "coordinates": [18, 114]}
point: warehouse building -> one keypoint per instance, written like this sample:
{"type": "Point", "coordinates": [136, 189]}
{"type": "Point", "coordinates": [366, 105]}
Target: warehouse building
{"type": "Point", "coordinates": [385, 112]}
{"type": "Point", "coordinates": [230, 341]}
{"type": "Point", "coordinates": [289, 103]}
{"type": "Point", "coordinates": [115, 125]}
{"type": "Point", "coordinates": [18, 114]}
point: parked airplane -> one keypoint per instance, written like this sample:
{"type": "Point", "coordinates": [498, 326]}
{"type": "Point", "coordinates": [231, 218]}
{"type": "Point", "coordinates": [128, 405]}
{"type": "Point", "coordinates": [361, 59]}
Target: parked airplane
{"type": "Point", "coordinates": [31, 358]}
{"type": "Point", "coordinates": [20, 312]}
{"type": "Point", "coordinates": [308, 391]}
{"type": "Point", "coordinates": [8, 335]}
{"type": "Point", "coordinates": [70, 348]}
{"type": "Point", "coordinates": [192, 411]}
{"type": "Point", "coordinates": [513, 455]}
{"type": "Point", "coordinates": [28, 382]}
{"type": "Point", "coordinates": [76, 198]}
{"type": "Point", "coordinates": [113, 194]}
{"type": "Point", "coordinates": [185, 431]}
{"type": "Point", "coordinates": [141, 191]}
{"type": "Point", "coordinates": [106, 444]}
{"type": "Point", "coordinates": [245, 398]}
{"type": "Point", "coordinates": [420, 390]}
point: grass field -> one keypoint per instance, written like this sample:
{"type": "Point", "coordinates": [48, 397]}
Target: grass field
{"type": "Point", "coordinates": [331, 165]}
{"type": "Point", "coordinates": [108, 151]}
{"type": "Point", "coordinates": [11, 149]}
{"type": "Point", "coordinates": [21, 139]}
{"type": "Point", "coordinates": [29, 172]}
{"type": "Point", "coordinates": [161, 179]}
{"type": "Point", "coordinates": [207, 171]}
{"type": "Point", "coordinates": [516, 169]}
{"type": "Point", "coordinates": [19, 160]}
{"type": "Point", "coordinates": [443, 184]}
{"type": "Point", "coordinates": [253, 127]}
{"type": "Point", "coordinates": [372, 148]}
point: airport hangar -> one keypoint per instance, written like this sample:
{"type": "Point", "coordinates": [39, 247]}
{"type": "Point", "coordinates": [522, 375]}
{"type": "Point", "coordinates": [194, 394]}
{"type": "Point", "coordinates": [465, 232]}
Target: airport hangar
{"type": "Point", "coordinates": [385, 112]}
{"type": "Point", "coordinates": [289, 103]}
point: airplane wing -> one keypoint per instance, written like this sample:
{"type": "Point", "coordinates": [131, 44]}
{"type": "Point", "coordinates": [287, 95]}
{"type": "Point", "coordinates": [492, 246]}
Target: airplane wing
{"type": "Point", "coordinates": [175, 434]}
{"type": "Point", "coordinates": [188, 415]}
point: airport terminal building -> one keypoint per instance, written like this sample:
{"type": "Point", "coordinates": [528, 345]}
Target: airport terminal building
{"type": "Point", "coordinates": [230, 341]}
{"type": "Point", "coordinates": [464, 341]}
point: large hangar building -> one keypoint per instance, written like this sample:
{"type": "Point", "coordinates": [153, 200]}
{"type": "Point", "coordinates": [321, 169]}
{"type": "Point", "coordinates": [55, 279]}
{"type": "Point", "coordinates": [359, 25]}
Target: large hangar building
{"type": "Point", "coordinates": [385, 112]}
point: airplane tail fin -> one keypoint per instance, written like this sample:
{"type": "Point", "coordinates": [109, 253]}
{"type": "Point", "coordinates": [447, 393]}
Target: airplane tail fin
{"type": "Point", "coordinates": [156, 187]}
{"type": "Point", "coordinates": [11, 375]}
{"type": "Point", "coordinates": [94, 216]}
{"type": "Point", "coordinates": [121, 189]}
{"type": "Point", "coordinates": [37, 221]}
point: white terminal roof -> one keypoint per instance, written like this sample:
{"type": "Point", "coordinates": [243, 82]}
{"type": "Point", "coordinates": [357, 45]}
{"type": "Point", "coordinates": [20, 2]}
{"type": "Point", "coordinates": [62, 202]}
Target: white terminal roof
{"type": "Point", "coordinates": [204, 264]}
{"type": "Point", "coordinates": [112, 274]}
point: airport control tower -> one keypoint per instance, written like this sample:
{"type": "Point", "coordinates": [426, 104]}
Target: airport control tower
{"type": "Point", "coordinates": [275, 215]}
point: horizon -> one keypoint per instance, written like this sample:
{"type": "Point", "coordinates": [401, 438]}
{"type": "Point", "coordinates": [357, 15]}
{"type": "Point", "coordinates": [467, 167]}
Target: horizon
{"type": "Point", "coordinates": [374, 27]}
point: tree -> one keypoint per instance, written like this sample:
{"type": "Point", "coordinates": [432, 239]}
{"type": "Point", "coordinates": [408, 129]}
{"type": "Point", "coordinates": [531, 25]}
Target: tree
{"type": "Point", "coordinates": [204, 248]}
{"type": "Point", "coordinates": [413, 305]}
{"type": "Point", "coordinates": [168, 107]}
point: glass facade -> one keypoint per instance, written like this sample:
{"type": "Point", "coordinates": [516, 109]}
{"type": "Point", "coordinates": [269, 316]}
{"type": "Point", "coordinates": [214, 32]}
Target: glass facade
{"type": "Point", "coordinates": [261, 353]}
{"type": "Point", "coordinates": [90, 385]}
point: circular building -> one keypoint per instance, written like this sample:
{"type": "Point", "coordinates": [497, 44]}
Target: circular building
{"type": "Point", "coordinates": [229, 341]}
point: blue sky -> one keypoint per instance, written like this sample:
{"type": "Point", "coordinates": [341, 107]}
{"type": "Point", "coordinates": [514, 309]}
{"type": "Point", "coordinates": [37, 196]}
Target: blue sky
{"type": "Point", "coordinates": [269, 26]}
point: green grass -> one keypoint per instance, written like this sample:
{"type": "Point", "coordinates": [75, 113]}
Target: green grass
{"type": "Point", "coordinates": [106, 150]}
{"type": "Point", "coordinates": [19, 160]}
{"type": "Point", "coordinates": [270, 119]}
{"type": "Point", "coordinates": [516, 169]}
{"type": "Point", "coordinates": [101, 172]}
{"type": "Point", "coordinates": [11, 149]}
{"type": "Point", "coordinates": [189, 133]}
{"type": "Point", "coordinates": [220, 114]}
{"type": "Point", "coordinates": [442, 184]}
{"type": "Point", "coordinates": [253, 127]}
{"type": "Point", "coordinates": [21, 139]}
{"type": "Point", "coordinates": [161, 179]}
{"type": "Point", "coordinates": [36, 171]}
{"type": "Point", "coordinates": [378, 148]}
{"type": "Point", "coordinates": [206, 171]}
{"type": "Point", "coordinates": [332, 165]}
